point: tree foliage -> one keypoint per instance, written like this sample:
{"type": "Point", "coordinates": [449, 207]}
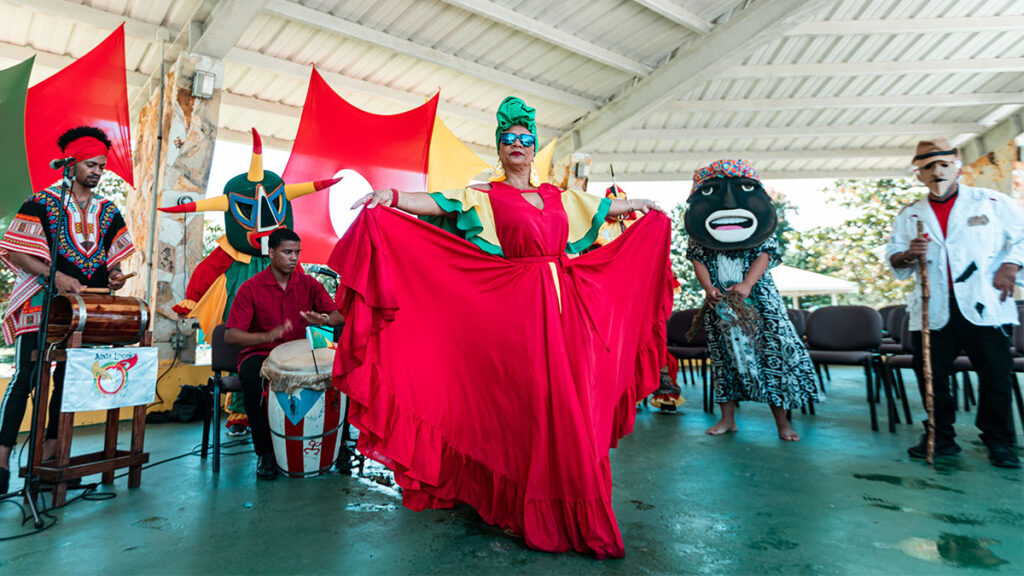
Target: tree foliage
{"type": "Point", "coordinates": [212, 230]}
{"type": "Point", "coordinates": [855, 249]}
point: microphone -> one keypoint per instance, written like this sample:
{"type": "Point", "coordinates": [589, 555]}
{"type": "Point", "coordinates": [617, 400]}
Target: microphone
{"type": "Point", "coordinates": [62, 162]}
{"type": "Point", "coordinates": [318, 269]}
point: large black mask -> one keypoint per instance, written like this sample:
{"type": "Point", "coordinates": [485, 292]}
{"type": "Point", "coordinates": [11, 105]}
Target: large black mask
{"type": "Point", "coordinates": [731, 213]}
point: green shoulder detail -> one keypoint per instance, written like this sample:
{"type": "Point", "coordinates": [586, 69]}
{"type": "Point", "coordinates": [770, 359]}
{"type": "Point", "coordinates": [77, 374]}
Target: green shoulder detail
{"type": "Point", "coordinates": [466, 223]}
{"type": "Point", "coordinates": [595, 227]}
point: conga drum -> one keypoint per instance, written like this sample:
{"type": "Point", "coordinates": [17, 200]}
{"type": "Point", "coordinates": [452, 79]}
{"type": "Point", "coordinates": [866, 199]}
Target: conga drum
{"type": "Point", "coordinates": [304, 410]}
{"type": "Point", "coordinates": [101, 318]}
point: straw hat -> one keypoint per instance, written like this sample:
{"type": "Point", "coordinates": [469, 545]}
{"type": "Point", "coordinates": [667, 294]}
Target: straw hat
{"type": "Point", "coordinates": [928, 150]}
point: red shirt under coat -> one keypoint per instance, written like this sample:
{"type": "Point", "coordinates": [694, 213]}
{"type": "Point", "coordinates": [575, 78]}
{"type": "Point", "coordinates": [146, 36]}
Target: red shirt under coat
{"type": "Point", "coordinates": [942, 208]}
{"type": "Point", "coordinates": [261, 305]}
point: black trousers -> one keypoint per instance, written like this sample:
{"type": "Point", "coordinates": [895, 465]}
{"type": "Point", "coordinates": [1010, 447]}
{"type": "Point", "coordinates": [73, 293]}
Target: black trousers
{"type": "Point", "coordinates": [253, 387]}
{"type": "Point", "coordinates": [15, 401]}
{"type": "Point", "coordinates": [988, 347]}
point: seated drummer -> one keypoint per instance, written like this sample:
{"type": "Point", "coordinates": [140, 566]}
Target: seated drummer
{"type": "Point", "coordinates": [271, 308]}
{"type": "Point", "coordinates": [93, 242]}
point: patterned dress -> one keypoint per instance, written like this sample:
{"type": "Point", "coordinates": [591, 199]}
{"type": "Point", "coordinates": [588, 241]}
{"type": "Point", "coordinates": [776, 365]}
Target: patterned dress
{"type": "Point", "coordinates": [775, 368]}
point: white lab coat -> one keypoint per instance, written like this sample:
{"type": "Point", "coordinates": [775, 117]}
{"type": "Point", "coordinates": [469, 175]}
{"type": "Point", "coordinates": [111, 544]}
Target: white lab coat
{"type": "Point", "coordinates": [985, 230]}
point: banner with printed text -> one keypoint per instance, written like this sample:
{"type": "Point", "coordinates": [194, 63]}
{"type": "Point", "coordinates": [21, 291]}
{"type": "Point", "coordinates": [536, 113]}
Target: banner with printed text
{"type": "Point", "coordinates": [105, 378]}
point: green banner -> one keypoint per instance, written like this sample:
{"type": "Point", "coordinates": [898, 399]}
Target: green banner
{"type": "Point", "coordinates": [17, 186]}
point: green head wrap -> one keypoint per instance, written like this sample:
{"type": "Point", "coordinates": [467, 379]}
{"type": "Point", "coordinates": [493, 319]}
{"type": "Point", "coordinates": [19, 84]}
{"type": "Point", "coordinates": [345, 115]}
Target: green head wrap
{"type": "Point", "coordinates": [515, 112]}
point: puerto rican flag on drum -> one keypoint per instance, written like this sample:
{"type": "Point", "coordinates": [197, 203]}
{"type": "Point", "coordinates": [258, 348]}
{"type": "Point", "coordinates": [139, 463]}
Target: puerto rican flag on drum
{"type": "Point", "coordinates": [306, 429]}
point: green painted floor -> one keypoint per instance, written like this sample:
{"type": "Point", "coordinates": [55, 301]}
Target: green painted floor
{"type": "Point", "coordinates": [844, 500]}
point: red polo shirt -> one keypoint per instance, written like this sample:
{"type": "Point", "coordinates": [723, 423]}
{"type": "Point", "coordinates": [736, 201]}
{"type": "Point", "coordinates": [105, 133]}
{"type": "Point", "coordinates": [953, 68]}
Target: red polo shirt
{"type": "Point", "coordinates": [261, 305]}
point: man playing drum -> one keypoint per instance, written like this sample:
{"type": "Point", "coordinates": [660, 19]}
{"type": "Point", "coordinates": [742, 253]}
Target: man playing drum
{"type": "Point", "coordinates": [271, 308]}
{"type": "Point", "coordinates": [92, 245]}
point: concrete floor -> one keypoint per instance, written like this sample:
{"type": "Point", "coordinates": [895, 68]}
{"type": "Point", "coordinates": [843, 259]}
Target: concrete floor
{"type": "Point", "coordinates": [842, 501]}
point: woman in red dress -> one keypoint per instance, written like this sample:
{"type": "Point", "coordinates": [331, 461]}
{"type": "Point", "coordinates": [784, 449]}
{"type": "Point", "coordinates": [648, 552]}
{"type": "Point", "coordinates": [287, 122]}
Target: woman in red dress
{"type": "Point", "coordinates": [494, 370]}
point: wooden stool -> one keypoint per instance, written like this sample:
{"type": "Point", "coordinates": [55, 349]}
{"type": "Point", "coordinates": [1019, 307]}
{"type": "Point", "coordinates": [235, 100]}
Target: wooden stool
{"type": "Point", "coordinates": [64, 468]}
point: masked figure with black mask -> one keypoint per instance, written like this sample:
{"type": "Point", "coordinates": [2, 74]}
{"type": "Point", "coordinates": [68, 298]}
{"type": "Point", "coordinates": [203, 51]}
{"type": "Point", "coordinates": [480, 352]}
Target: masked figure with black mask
{"type": "Point", "coordinates": [755, 351]}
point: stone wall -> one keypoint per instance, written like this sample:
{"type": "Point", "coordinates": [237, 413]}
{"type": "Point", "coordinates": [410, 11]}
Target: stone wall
{"type": "Point", "coordinates": [563, 172]}
{"type": "Point", "coordinates": [189, 130]}
{"type": "Point", "coordinates": [999, 170]}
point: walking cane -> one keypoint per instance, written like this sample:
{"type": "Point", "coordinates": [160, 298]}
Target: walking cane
{"type": "Point", "coordinates": [926, 355]}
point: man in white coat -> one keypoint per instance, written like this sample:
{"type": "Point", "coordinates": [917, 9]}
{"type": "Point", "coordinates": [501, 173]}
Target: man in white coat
{"type": "Point", "coordinates": [974, 241]}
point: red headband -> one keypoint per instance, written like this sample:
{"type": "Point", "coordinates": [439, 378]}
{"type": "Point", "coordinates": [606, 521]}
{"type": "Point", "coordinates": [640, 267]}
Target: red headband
{"type": "Point", "coordinates": [86, 147]}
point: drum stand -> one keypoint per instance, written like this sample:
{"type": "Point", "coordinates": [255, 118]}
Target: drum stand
{"type": "Point", "coordinates": [64, 468]}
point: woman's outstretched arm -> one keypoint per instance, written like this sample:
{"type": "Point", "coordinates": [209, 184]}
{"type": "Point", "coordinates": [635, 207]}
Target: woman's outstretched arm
{"type": "Point", "coordinates": [418, 203]}
{"type": "Point", "coordinates": [620, 207]}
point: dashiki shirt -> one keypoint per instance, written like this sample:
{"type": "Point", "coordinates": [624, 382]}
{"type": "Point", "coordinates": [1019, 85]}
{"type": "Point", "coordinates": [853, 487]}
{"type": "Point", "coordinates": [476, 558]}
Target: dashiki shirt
{"type": "Point", "coordinates": [93, 241]}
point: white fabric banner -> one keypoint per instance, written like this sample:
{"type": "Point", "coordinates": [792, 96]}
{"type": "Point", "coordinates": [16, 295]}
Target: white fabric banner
{"type": "Point", "coordinates": [105, 378]}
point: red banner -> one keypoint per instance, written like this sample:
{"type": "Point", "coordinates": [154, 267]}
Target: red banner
{"type": "Point", "coordinates": [92, 91]}
{"type": "Point", "coordinates": [387, 151]}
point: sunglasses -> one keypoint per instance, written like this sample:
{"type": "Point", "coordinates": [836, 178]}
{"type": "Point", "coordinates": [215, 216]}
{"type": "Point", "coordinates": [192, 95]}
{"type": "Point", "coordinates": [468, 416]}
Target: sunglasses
{"type": "Point", "coordinates": [508, 139]}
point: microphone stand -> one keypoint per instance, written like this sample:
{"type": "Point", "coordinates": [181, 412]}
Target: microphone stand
{"type": "Point", "coordinates": [30, 491]}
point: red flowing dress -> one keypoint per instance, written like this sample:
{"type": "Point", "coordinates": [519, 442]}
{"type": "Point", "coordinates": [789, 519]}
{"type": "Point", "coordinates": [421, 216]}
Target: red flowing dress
{"type": "Point", "coordinates": [503, 382]}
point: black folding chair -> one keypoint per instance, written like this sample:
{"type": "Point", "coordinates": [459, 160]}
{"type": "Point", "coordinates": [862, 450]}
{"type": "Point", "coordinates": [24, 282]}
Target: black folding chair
{"type": "Point", "coordinates": [224, 363]}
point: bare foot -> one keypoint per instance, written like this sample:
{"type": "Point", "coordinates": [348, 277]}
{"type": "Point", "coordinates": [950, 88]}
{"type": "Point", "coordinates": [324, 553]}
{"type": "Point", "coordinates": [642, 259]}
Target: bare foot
{"type": "Point", "coordinates": [787, 433]}
{"type": "Point", "coordinates": [722, 428]}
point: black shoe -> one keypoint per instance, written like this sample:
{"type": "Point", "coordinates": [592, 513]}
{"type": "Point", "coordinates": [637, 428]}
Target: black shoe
{"type": "Point", "coordinates": [266, 468]}
{"type": "Point", "coordinates": [943, 447]}
{"type": "Point", "coordinates": [5, 480]}
{"type": "Point", "coordinates": [1002, 456]}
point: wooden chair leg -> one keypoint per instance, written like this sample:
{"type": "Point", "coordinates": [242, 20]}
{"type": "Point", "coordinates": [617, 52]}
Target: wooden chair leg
{"type": "Point", "coordinates": [110, 443]}
{"type": "Point", "coordinates": [137, 442]}
{"type": "Point", "coordinates": [63, 456]}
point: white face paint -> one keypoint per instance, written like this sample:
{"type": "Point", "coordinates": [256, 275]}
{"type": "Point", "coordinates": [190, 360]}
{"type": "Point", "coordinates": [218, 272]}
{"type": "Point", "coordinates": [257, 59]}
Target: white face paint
{"type": "Point", "coordinates": [731, 226]}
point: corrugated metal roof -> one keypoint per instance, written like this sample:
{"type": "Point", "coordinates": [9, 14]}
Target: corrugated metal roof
{"type": "Point", "coordinates": [846, 88]}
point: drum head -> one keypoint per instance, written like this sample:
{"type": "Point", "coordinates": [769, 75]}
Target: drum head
{"type": "Point", "coordinates": [293, 365]}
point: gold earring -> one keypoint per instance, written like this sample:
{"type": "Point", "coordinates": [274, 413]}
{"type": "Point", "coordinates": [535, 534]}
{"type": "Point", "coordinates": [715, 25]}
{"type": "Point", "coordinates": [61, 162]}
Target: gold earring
{"type": "Point", "coordinates": [499, 173]}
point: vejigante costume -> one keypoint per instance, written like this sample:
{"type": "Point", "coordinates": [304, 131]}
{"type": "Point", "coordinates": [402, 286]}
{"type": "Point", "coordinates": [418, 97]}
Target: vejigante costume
{"type": "Point", "coordinates": [255, 204]}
